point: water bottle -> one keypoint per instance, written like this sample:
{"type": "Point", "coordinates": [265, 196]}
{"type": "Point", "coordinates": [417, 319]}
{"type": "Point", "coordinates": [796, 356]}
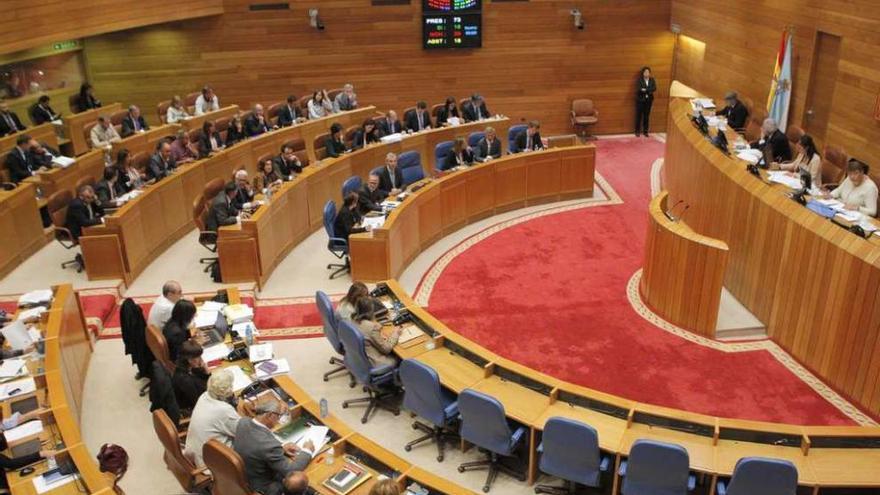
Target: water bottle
{"type": "Point", "coordinates": [51, 463]}
{"type": "Point", "coordinates": [329, 457]}
{"type": "Point", "coordinates": [249, 334]}
{"type": "Point", "coordinates": [396, 308]}
{"type": "Point", "coordinates": [324, 411]}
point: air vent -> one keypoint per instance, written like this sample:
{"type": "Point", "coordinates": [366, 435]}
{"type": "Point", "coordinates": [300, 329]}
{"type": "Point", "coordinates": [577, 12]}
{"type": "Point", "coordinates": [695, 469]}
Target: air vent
{"type": "Point", "coordinates": [256, 7]}
{"type": "Point", "coordinates": [385, 3]}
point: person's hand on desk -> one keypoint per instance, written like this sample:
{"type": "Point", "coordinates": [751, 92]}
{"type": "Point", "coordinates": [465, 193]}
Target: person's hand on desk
{"type": "Point", "coordinates": [850, 207]}
{"type": "Point", "coordinates": [290, 449]}
{"type": "Point", "coordinates": [394, 192]}
{"type": "Point", "coordinates": [244, 216]}
{"type": "Point", "coordinates": [45, 454]}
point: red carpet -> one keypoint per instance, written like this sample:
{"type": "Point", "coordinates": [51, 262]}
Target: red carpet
{"type": "Point", "coordinates": [550, 293]}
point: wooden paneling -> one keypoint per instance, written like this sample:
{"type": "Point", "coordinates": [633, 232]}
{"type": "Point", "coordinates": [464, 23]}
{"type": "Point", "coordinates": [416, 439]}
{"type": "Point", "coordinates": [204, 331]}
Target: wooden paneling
{"type": "Point", "coordinates": [742, 38]}
{"type": "Point", "coordinates": [21, 226]}
{"type": "Point", "coordinates": [532, 65]}
{"type": "Point", "coordinates": [28, 23]}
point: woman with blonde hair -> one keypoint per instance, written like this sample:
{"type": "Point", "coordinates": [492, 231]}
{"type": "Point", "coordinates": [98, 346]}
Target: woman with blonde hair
{"type": "Point", "coordinates": [385, 487]}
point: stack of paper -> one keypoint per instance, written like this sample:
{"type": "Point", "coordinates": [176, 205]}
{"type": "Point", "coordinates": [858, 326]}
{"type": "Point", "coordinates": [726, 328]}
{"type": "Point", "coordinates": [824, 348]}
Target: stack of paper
{"type": "Point", "coordinates": [35, 298]}
{"type": "Point", "coordinates": [850, 215]}
{"type": "Point", "coordinates": [408, 333]}
{"type": "Point", "coordinates": [703, 103]}
{"type": "Point", "coordinates": [17, 335]}
{"type": "Point", "coordinates": [238, 313]}
{"type": "Point", "coordinates": [12, 367]}
{"type": "Point", "coordinates": [786, 179]}
{"type": "Point", "coordinates": [215, 352]}
{"type": "Point", "coordinates": [240, 379]}
{"type": "Point", "coordinates": [18, 387]}
{"type": "Point", "coordinates": [260, 352]}
{"type": "Point", "coordinates": [43, 485]}
{"type": "Point", "coordinates": [31, 313]}
{"type": "Point", "coordinates": [213, 306]}
{"type": "Point", "coordinates": [373, 222]}
{"type": "Point", "coordinates": [273, 367]}
{"type": "Point", "coordinates": [750, 155]}
{"type": "Point", "coordinates": [205, 319]}
{"type": "Point", "coordinates": [24, 430]}
{"type": "Point", "coordinates": [63, 161]}
{"type": "Point", "coordinates": [391, 138]}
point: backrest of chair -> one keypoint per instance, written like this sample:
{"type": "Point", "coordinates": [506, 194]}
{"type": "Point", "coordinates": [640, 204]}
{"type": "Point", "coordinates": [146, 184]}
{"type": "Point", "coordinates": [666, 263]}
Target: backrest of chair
{"type": "Point", "coordinates": [833, 165]}
{"type": "Point", "coordinates": [483, 422]}
{"type": "Point", "coordinates": [837, 156]}
{"type": "Point", "coordinates": [748, 103]}
{"type": "Point", "coordinates": [194, 134]}
{"type": "Point", "coordinates": [162, 110]}
{"type": "Point", "coordinates": [87, 131]}
{"type": "Point", "coordinates": [474, 138]}
{"type": "Point", "coordinates": [511, 136]}
{"type": "Point", "coordinates": [331, 94]}
{"type": "Point", "coordinates": [304, 101]}
{"type": "Point", "coordinates": [657, 465]}
{"type": "Point", "coordinates": [377, 170]}
{"type": "Point", "coordinates": [406, 113]}
{"type": "Point", "coordinates": [440, 152]}
{"type": "Point", "coordinates": [180, 466]}
{"type": "Point", "coordinates": [753, 130]}
{"type": "Point", "coordinates": [794, 134]}
{"type": "Point", "coordinates": [570, 446]}
{"type": "Point", "coordinates": [227, 469]}
{"type": "Point", "coordinates": [351, 184]}
{"type": "Point", "coordinates": [412, 174]}
{"type": "Point", "coordinates": [328, 216]}
{"type": "Point", "coordinates": [190, 99]}
{"type": "Point", "coordinates": [117, 116]}
{"type": "Point", "coordinates": [159, 347]}
{"type": "Point", "coordinates": [73, 103]}
{"type": "Point", "coordinates": [328, 318]}
{"type": "Point", "coordinates": [350, 132]}
{"type": "Point", "coordinates": [762, 476]}
{"type": "Point", "coordinates": [583, 107]}
{"type": "Point", "coordinates": [274, 109]}
{"type": "Point", "coordinates": [212, 189]}
{"type": "Point", "coordinates": [435, 109]}
{"type": "Point", "coordinates": [356, 360]}
{"type": "Point", "coordinates": [422, 393]}
{"type": "Point", "coordinates": [409, 159]}
{"type": "Point", "coordinates": [57, 206]}
{"type": "Point", "coordinates": [320, 144]}
{"type": "Point", "coordinates": [85, 181]}
{"type": "Point", "coordinates": [221, 124]}
{"type": "Point", "coordinates": [198, 211]}
{"type": "Point", "coordinates": [140, 160]}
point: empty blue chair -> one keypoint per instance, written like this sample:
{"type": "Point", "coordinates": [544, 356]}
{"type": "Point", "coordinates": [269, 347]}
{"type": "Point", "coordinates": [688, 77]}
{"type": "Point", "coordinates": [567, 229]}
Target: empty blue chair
{"type": "Point", "coordinates": [424, 397]}
{"type": "Point", "coordinates": [656, 468]}
{"type": "Point", "coordinates": [351, 184]}
{"type": "Point", "coordinates": [336, 245]}
{"type": "Point", "coordinates": [440, 152]}
{"type": "Point", "coordinates": [410, 164]}
{"type": "Point", "coordinates": [511, 137]}
{"type": "Point", "coordinates": [378, 381]}
{"type": "Point", "coordinates": [474, 138]}
{"type": "Point", "coordinates": [570, 450]}
{"type": "Point", "coordinates": [377, 170]}
{"type": "Point", "coordinates": [412, 175]}
{"type": "Point", "coordinates": [328, 318]}
{"type": "Point", "coordinates": [761, 476]}
{"type": "Point", "coordinates": [484, 424]}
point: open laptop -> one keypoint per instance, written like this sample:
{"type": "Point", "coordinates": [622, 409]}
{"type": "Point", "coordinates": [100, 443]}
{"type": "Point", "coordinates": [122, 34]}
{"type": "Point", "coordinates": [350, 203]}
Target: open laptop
{"type": "Point", "coordinates": [217, 334]}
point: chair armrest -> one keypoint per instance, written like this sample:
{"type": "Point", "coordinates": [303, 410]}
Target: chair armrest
{"type": "Point", "coordinates": [518, 436]}
{"type": "Point", "coordinates": [621, 471]}
{"type": "Point", "coordinates": [692, 482]}
{"type": "Point", "coordinates": [541, 448]}
{"type": "Point", "coordinates": [8, 186]}
{"type": "Point", "coordinates": [451, 411]}
{"type": "Point", "coordinates": [605, 463]}
{"type": "Point", "coordinates": [721, 488]}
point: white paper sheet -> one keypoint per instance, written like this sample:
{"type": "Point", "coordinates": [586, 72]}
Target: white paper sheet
{"type": "Point", "coordinates": [317, 435]}
{"type": "Point", "coordinates": [24, 430]}
{"type": "Point", "coordinates": [373, 222]}
{"type": "Point", "coordinates": [260, 352]}
{"type": "Point", "coordinates": [24, 386]}
{"type": "Point", "coordinates": [35, 297]}
{"type": "Point", "coordinates": [17, 335]}
{"type": "Point", "coordinates": [215, 352]}
{"type": "Point", "coordinates": [785, 179]}
{"type": "Point", "coordinates": [212, 306]}
{"type": "Point", "coordinates": [31, 313]}
{"type": "Point", "coordinates": [42, 487]}
{"type": "Point", "coordinates": [12, 367]}
{"type": "Point", "coordinates": [240, 379]}
{"type": "Point", "coordinates": [205, 319]}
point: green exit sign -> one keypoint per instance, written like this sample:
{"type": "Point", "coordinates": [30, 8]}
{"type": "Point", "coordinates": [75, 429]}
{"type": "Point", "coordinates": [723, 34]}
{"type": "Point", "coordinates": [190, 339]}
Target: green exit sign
{"type": "Point", "coordinates": [66, 45]}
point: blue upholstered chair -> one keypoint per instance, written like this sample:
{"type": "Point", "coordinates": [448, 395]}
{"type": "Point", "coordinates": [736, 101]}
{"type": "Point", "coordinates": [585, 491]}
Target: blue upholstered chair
{"type": "Point", "coordinates": [511, 137]}
{"type": "Point", "coordinates": [328, 318]}
{"type": "Point", "coordinates": [410, 164]}
{"type": "Point", "coordinates": [474, 138]}
{"type": "Point", "coordinates": [378, 381]}
{"type": "Point", "coordinates": [336, 245]}
{"type": "Point", "coordinates": [656, 468]}
{"type": "Point", "coordinates": [377, 170]}
{"type": "Point", "coordinates": [440, 152]}
{"type": "Point", "coordinates": [351, 184]}
{"type": "Point", "coordinates": [484, 424]}
{"type": "Point", "coordinates": [761, 476]}
{"type": "Point", "coordinates": [424, 397]}
{"type": "Point", "coordinates": [570, 450]}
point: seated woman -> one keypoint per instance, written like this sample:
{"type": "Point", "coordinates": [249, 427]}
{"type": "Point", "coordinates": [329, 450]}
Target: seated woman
{"type": "Point", "coordinates": [87, 100]}
{"type": "Point", "coordinates": [450, 109]}
{"type": "Point", "coordinates": [459, 155]}
{"type": "Point", "coordinates": [176, 330]}
{"type": "Point", "coordinates": [335, 142]}
{"type": "Point", "coordinates": [176, 111]}
{"type": "Point", "coordinates": [191, 375]}
{"type": "Point", "coordinates": [807, 160]}
{"type": "Point", "coordinates": [320, 104]}
{"type": "Point", "coordinates": [346, 308]}
{"type": "Point", "coordinates": [857, 192]}
{"type": "Point", "coordinates": [128, 178]}
{"type": "Point", "coordinates": [209, 141]}
{"type": "Point", "coordinates": [368, 134]}
{"type": "Point", "coordinates": [378, 347]}
{"type": "Point", "coordinates": [348, 219]}
{"type": "Point", "coordinates": [267, 177]}
{"type": "Point", "coordinates": [235, 131]}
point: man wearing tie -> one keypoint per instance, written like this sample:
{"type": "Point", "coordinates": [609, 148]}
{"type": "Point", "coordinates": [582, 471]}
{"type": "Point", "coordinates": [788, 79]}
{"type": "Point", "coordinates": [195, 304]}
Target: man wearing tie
{"type": "Point", "coordinates": [133, 123]}
{"type": "Point", "coordinates": [161, 163]}
{"type": "Point", "coordinates": [530, 139]}
{"type": "Point", "coordinates": [42, 112]}
{"type": "Point", "coordinates": [419, 120]}
{"type": "Point", "coordinates": [83, 211]}
{"type": "Point", "coordinates": [390, 177]}
{"type": "Point", "coordinates": [489, 147]}
{"type": "Point", "coordinates": [9, 121]}
{"type": "Point", "coordinates": [105, 189]}
{"type": "Point", "coordinates": [290, 114]}
{"type": "Point", "coordinates": [222, 211]}
{"type": "Point", "coordinates": [20, 161]}
{"type": "Point", "coordinates": [390, 124]}
{"type": "Point", "coordinates": [475, 109]}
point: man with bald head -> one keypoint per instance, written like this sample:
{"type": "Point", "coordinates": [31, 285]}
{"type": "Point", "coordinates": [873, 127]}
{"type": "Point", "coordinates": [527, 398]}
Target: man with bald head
{"type": "Point", "coordinates": [270, 467]}
{"type": "Point", "coordinates": [256, 122]}
{"type": "Point", "coordinates": [773, 143]}
{"type": "Point", "coordinates": [161, 310]}
{"type": "Point", "coordinates": [161, 163]}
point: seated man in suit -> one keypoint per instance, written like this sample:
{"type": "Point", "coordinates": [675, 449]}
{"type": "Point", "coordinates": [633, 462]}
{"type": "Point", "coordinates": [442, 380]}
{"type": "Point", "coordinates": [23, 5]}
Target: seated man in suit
{"type": "Point", "coordinates": [103, 134]}
{"type": "Point", "coordinates": [9, 121]}
{"type": "Point", "coordinates": [390, 124]}
{"type": "Point", "coordinates": [475, 109]}
{"type": "Point", "coordinates": [43, 155]}
{"type": "Point", "coordinates": [346, 100]}
{"type": "Point", "coordinates": [287, 164]}
{"type": "Point", "coordinates": [348, 218]}
{"type": "Point", "coordinates": [207, 101]}
{"type": "Point", "coordinates": [244, 192]}
{"type": "Point", "coordinates": [530, 139]}
{"type": "Point", "coordinates": [489, 147]}
{"type": "Point", "coordinates": [773, 143]}
{"type": "Point", "coordinates": [335, 142]}
{"type": "Point", "coordinates": [161, 163]}
{"type": "Point", "coordinates": [370, 197]}
{"type": "Point", "coordinates": [737, 114]}
{"type": "Point", "coordinates": [134, 122]}
{"type": "Point", "coordinates": [42, 112]}
{"type": "Point", "coordinates": [420, 119]}
{"type": "Point", "coordinates": [182, 149]}
{"type": "Point", "coordinates": [84, 211]}
{"type": "Point", "coordinates": [460, 155]}
{"type": "Point", "coordinates": [390, 177]}
{"type": "Point", "coordinates": [223, 211]}
{"type": "Point", "coordinates": [256, 122]}
{"type": "Point", "coordinates": [291, 113]}
{"type": "Point", "coordinates": [270, 467]}
{"type": "Point", "coordinates": [20, 160]}
{"type": "Point", "coordinates": [106, 188]}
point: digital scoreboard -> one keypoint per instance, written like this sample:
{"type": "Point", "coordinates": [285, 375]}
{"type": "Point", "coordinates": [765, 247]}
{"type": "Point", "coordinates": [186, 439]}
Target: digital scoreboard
{"type": "Point", "coordinates": [452, 24]}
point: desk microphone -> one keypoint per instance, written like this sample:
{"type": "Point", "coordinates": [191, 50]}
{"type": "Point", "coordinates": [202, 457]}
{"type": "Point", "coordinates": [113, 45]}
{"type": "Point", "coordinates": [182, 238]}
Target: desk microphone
{"type": "Point", "coordinates": [682, 213]}
{"type": "Point", "coordinates": [669, 210]}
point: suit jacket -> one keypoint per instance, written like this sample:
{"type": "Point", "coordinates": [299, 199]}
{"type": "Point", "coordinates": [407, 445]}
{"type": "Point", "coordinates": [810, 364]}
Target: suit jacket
{"type": "Point", "coordinates": [288, 115]}
{"type": "Point", "coordinates": [253, 127]}
{"type": "Point", "coordinates": [205, 144]}
{"type": "Point", "coordinates": [158, 168]}
{"type": "Point", "coordinates": [103, 192]}
{"type": "Point", "coordinates": [134, 327]}
{"type": "Point", "coordinates": [370, 200]}
{"type": "Point", "coordinates": [484, 150]}
{"type": "Point", "coordinates": [41, 115]}
{"type": "Point", "coordinates": [452, 161]}
{"type": "Point", "coordinates": [285, 169]}
{"type": "Point", "coordinates": [386, 183]}
{"type": "Point", "coordinates": [736, 115]}
{"type": "Point", "coordinates": [470, 112]}
{"type": "Point", "coordinates": [649, 87]}
{"type": "Point", "coordinates": [128, 127]}
{"type": "Point", "coordinates": [233, 136]}
{"type": "Point", "coordinates": [87, 103]}
{"type": "Point", "coordinates": [5, 128]}
{"type": "Point", "coordinates": [412, 120]}
{"type": "Point", "coordinates": [390, 127]}
{"type": "Point", "coordinates": [776, 146]}
{"type": "Point", "coordinates": [241, 197]}
{"type": "Point", "coordinates": [522, 137]}
{"type": "Point", "coordinates": [334, 148]}
{"type": "Point", "coordinates": [78, 216]}
{"type": "Point", "coordinates": [265, 464]}
{"type": "Point", "coordinates": [360, 136]}
{"type": "Point", "coordinates": [443, 115]}
{"type": "Point", "coordinates": [222, 212]}
{"type": "Point", "coordinates": [344, 223]}
{"type": "Point", "coordinates": [343, 103]}
{"type": "Point", "coordinates": [20, 165]}
{"type": "Point", "coordinates": [189, 385]}
{"type": "Point", "coordinates": [45, 159]}
{"type": "Point", "coordinates": [175, 336]}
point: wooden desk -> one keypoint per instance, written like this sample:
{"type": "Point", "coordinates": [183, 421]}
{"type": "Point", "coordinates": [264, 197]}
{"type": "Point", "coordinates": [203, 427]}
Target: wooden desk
{"type": "Point", "coordinates": [74, 126]}
{"type": "Point", "coordinates": [197, 121]}
{"type": "Point", "coordinates": [145, 142]}
{"type": "Point", "coordinates": [21, 225]}
{"type": "Point", "coordinates": [455, 200]}
{"type": "Point", "coordinates": [44, 133]}
{"type": "Point", "coordinates": [90, 164]}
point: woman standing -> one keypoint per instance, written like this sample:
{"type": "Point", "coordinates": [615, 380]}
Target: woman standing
{"type": "Point", "coordinates": [645, 88]}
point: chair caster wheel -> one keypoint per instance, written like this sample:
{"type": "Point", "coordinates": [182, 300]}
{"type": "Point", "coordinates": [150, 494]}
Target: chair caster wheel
{"type": "Point", "coordinates": [351, 385]}
{"type": "Point", "coordinates": [522, 478]}
{"type": "Point", "coordinates": [414, 427]}
{"type": "Point", "coordinates": [344, 405]}
{"type": "Point", "coordinates": [397, 413]}
{"type": "Point", "coordinates": [486, 489]}
{"type": "Point", "coordinates": [326, 379]}
{"type": "Point", "coordinates": [460, 469]}
{"type": "Point", "coordinates": [537, 490]}
{"type": "Point", "coordinates": [407, 448]}
{"type": "Point", "coordinates": [363, 421]}
{"type": "Point", "coordinates": [439, 458]}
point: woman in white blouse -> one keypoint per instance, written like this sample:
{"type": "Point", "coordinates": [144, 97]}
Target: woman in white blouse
{"type": "Point", "coordinates": [857, 192]}
{"type": "Point", "coordinates": [320, 105]}
{"type": "Point", "coordinates": [807, 160]}
{"type": "Point", "coordinates": [176, 111]}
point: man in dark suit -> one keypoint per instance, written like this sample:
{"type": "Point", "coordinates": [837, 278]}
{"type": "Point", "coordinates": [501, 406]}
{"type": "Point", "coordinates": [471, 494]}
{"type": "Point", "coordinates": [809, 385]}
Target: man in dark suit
{"type": "Point", "coordinates": [390, 177]}
{"type": "Point", "coordinates": [370, 197]}
{"type": "Point", "coordinates": [287, 164]}
{"type": "Point", "coordinates": [489, 147]}
{"type": "Point", "coordinates": [20, 160]}
{"type": "Point", "coordinates": [256, 123]}
{"type": "Point", "coordinates": [84, 211]}
{"type": "Point", "coordinates": [530, 139]}
{"type": "Point", "coordinates": [41, 112]}
{"type": "Point", "coordinates": [773, 143]}
{"type": "Point", "coordinates": [106, 189]}
{"type": "Point", "coordinates": [475, 109]}
{"type": "Point", "coordinates": [9, 121]}
{"type": "Point", "coordinates": [270, 467]}
{"type": "Point", "coordinates": [420, 119]}
{"type": "Point", "coordinates": [390, 124]}
{"type": "Point", "coordinates": [161, 163]}
{"type": "Point", "coordinates": [133, 122]}
{"type": "Point", "coordinates": [222, 211]}
{"type": "Point", "coordinates": [348, 218]}
{"type": "Point", "coordinates": [42, 155]}
{"type": "Point", "coordinates": [645, 88]}
{"type": "Point", "coordinates": [290, 113]}
{"type": "Point", "coordinates": [737, 114]}
{"type": "Point", "coordinates": [244, 193]}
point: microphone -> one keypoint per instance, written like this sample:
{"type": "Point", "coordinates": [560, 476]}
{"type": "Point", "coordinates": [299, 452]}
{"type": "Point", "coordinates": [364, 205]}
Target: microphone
{"type": "Point", "coordinates": [686, 207]}
{"type": "Point", "coordinates": [671, 209]}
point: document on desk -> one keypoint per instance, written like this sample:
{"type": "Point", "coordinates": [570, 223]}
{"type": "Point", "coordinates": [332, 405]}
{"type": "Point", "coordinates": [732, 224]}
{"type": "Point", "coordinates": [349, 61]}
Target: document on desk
{"type": "Point", "coordinates": [707, 103]}
{"type": "Point", "coordinates": [750, 155]}
{"type": "Point", "coordinates": [35, 297]}
{"type": "Point", "coordinates": [16, 388]}
{"type": "Point", "coordinates": [12, 367]}
{"type": "Point", "coordinates": [31, 313]}
{"type": "Point", "coordinates": [24, 430]}
{"type": "Point", "coordinates": [63, 161]}
{"type": "Point", "coordinates": [43, 486]}
{"type": "Point", "coordinates": [17, 335]}
{"type": "Point", "coordinates": [215, 352]}
{"type": "Point", "coordinates": [317, 435]}
{"type": "Point", "coordinates": [212, 306]}
{"type": "Point", "coordinates": [260, 352]}
{"type": "Point", "coordinates": [205, 319]}
{"type": "Point", "coordinates": [373, 222]}
{"type": "Point", "coordinates": [240, 379]}
{"type": "Point", "coordinates": [850, 216]}
{"type": "Point", "coordinates": [785, 179]}
{"type": "Point", "coordinates": [408, 333]}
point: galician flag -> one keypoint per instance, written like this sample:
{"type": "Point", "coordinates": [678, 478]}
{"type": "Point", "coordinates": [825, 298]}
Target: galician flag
{"type": "Point", "coordinates": [780, 87]}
